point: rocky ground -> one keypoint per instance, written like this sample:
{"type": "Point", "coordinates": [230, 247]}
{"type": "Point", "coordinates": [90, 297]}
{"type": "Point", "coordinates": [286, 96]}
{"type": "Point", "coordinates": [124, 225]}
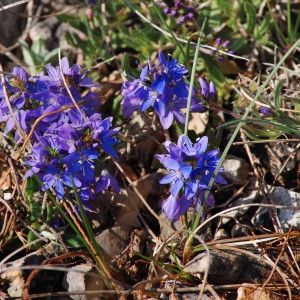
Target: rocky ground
{"type": "Point", "coordinates": [246, 245]}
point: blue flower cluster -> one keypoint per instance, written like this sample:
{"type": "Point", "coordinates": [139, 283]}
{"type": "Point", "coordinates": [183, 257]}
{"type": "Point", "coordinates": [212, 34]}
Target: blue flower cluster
{"type": "Point", "coordinates": [163, 88]}
{"type": "Point", "coordinates": [70, 136]}
{"type": "Point", "coordinates": [190, 168]}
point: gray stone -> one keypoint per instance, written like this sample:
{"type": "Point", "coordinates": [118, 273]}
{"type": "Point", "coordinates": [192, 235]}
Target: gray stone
{"type": "Point", "coordinates": [287, 217]}
{"type": "Point", "coordinates": [82, 278]}
{"type": "Point", "coordinates": [236, 169]}
{"type": "Point", "coordinates": [228, 267]}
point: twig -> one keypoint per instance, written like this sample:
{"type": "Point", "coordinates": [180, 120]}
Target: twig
{"type": "Point", "coordinates": [19, 129]}
{"type": "Point", "coordinates": [8, 6]}
{"type": "Point", "coordinates": [68, 90]}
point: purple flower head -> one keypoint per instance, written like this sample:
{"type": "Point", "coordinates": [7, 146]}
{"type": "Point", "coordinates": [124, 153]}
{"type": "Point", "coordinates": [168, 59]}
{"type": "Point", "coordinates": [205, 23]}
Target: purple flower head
{"type": "Point", "coordinates": [91, 2]}
{"type": "Point", "coordinates": [105, 135]}
{"type": "Point", "coordinates": [161, 87]}
{"type": "Point", "coordinates": [132, 91]}
{"type": "Point", "coordinates": [192, 151]}
{"type": "Point", "coordinates": [226, 44]}
{"type": "Point", "coordinates": [18, 81]}
{"type": "Point", "coordinates": [153, 96]}
{"type": "Point", "coordinates": [58, 180]}
{"type": "Point", "coordinates": [82, 164]}
{"type": "Point", "coordinates": [180, 9]}
{"type": "Point", "coordinates": [189, 15]}
{"type": "Point", "coordinates": [166, 10]}
{"type": "Point", "coordinates": [208, 92]}
{"type": "Point", "coordinates": [222, 46]}
{"type": "Point", "coordinates": [173, 71]}
{"type": "Point", "coordinates": [218, 41]}
{"type": "Point", "coordinates": [190, 168]}
{"type": "Point", "coordinates": [174, 207]}
{"type": "Point", "coordinates": [38, 160]}
{"type": "Point", "coordinates": [266, 111]}
{"type": "Point", "coordinates": [178, 173]}
{"type": "Point", "coordinates": [172, 110]}
{"type": "Point", "coordinates": [180, 20]}
{"type": "Point", "coordinates": [105, 181]}
{"type": "Point", "coordinates": [72, 75]}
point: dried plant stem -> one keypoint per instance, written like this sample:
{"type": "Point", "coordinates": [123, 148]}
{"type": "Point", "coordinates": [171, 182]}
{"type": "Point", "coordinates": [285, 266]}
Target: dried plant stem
{"type": "Point", "coordinates": [266, 141]}
{"type": "Point", "coordinates": [68, 90]}
{"type": "Point", "coordinates": [36, 123]}
{"type": "Point", "coordinates": [3, 80]}
{"type": "Point", "coordinates": [53, 260]}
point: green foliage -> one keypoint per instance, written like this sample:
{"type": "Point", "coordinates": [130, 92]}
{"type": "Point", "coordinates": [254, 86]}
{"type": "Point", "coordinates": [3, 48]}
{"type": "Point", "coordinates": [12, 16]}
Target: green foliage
{"type": "Point", "coordinates": [90, 40]}
{"type": "Point", "coordinates": [37, 56]}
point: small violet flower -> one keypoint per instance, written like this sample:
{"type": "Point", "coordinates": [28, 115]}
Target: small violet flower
{"type": "Point", "coordinates": [221, 46]}
{"type": "Point", "coordinates": [178, 172]}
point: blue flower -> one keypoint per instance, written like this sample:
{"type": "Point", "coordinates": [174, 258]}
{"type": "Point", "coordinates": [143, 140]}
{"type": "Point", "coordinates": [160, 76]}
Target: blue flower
{"type": "Point", "coordinates": [83, 163]}
{"type": "Point", "coordinates": [174, 207]}
{"type": "Point", "coordinates": [57, 179]}
{"type": "Point", "coordinates": [106, 136]}
{"type": "Point", "coordinates": [191, 151]}
{"type": "Point", "coordinates": [178, 172]}
{"type": "Point", "coordinates": [153, 97]}
{"type": "Point", "coordinates": [105, 181]}
{"type": "Point", "coordinates": [208, 92]}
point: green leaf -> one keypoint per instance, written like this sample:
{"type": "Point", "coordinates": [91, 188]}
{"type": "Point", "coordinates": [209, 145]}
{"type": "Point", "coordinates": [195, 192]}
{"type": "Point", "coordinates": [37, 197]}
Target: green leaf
{"type": "Point", "coordinates": [72, 240]}
{"type": "Point", "coordinates": [39, 47]}
{"type": "Point", "coordinates": [264, 25]}
{"type": "Point", "coordinates": [251, 16]}
{"type": "Point", "coordinates": [126, 67]}
{"type": "Point", "coordinates": [255, 133]}
{"type": "Point", "coordinates": [263, 40]}
{"type": "Point", "coordinates": [51, 56]}
{"type": "Point", "coordinates": [31, 236]}
{"type": "Point", "coordinates": [29, 56]}
{"type": "Point", "coordinates": [32, 186]}
{"type": "Point", "coordinates": [50, 212]}
{"type": "Point", "coordinates": [35, 210]}
{"type": "Point", "coordinates": [277, 95]}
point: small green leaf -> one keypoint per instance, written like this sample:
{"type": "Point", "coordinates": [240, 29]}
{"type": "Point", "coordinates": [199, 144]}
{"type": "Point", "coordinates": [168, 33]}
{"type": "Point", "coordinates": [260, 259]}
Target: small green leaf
{"type": "Point", "coordinates": [277, 95]}
{"type": "Point", "coordinates": [29, 56]}
{"type": "Point", "coordinates": [263, 40]}
{"type": "Point", "coordinates": [31, 236]}
{"type": "Point", "coordinates": [72, 240]}
{"type": "Point", "coordinates": [32, 186]}
{"type": "Point", "coordinates": [35, 210]}
{"type": "Point", "coordinates": [264, 25]}
{"type": "Point", "coordinates": [50, 212]}
{"type": "Point", "coordinates": [251, 16]}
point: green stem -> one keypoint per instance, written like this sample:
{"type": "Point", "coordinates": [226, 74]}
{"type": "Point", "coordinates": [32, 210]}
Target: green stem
{"type": "Point", "coordinates": [187, 113]}
{"type": "Point", "coordinates": [86, 223]}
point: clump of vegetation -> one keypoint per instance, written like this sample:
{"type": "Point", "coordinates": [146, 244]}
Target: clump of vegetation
{"type": "Point", "coordinates": [69, 147]}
